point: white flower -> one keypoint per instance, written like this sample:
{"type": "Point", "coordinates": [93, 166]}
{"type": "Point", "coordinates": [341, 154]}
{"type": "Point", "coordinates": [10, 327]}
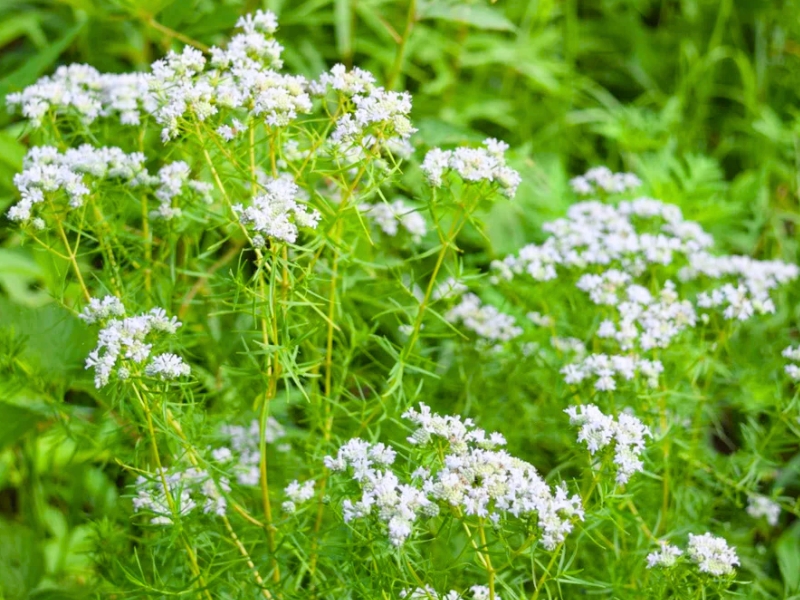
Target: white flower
{"type": "Point", "coordinates": [601, 178]}
{"type": "Point", "coordinates": [712, 554]}
{"type": "Point", "coordinates": [473, 165]}
{"type": "Point", "coordinates": [485, 320]}
{"type": "Point", "coordinates": [276, 213]}
{"type": "Point", "coordinates": [474, 475]}
{"type": "Point", "coordinates": [125, 339]}
{"type": "Point", "coordinates": [389, 216]}
{"type": "Point", "coordinates": [598, 430]}
{"type": "Point", "coordinates": [761, 506]}
{"type": "Point", "coordinates": [186, 491]}
{"type": "Point", "coordinates": [665, 557]}
{"type": "Point", "coordinates": [244, 448]}
{"type": "Point", "coordinates": [167, 366]}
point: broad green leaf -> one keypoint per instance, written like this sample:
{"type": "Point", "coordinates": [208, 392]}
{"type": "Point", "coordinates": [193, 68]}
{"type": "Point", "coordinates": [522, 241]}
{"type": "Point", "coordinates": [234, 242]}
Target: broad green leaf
{"type": "Point", "coordinates": [15, 421]}
{"type": "Point", "coordinates": [479, 16]}
{"type": "Point", "coordinates": [56, 341]}
{"type": "Point", "coordinates": [11, 151]}
{"type": "Point", "coordinates": [34, 67]}
{"type": "Point", "coordinates": [788, 552]}
{"type": "Point", "coordinates": [27, 24]}
{"type": "Point", "coordinates": [21, 561]}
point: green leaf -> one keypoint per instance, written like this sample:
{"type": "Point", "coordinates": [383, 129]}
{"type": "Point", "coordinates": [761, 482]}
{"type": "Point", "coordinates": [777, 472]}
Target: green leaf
{"type": "Point", "coordinates": [343, 26]}
{"type": "Point", "coordinates": [788, 552]}
{"type": "Point", "coordinates": [15, 421]}
{"type": "Point", "coordinates": [21, 561]}
{"type": "Point", "coordinates": [479, 16]}
{"type": "Point", "coordinates": [11, 151]}
{"type": "Point", "coordinates": [56, 341]}
{"type": "Point", "coordinates": [27, 24]}
{"type": "Point", "coordinates": [35, 66]}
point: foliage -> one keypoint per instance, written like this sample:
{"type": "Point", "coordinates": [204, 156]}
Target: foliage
{"type": "Point", "coordinates": [304, 336]}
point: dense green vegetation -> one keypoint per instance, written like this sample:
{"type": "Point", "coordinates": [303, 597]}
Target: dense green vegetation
{"type": "Point", "coordinates": [697, 98]}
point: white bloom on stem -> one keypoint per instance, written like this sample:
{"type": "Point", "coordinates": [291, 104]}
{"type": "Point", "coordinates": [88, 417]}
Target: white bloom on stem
{"type": "Point", "coordinates": [473, 165]}
{"type": "Point", "coordinates": [276, 213]}
{"type": "Point", "coordinates": [761, 506]}
{"type": "Point", "coordinates": [665, 557]}
{"type": "Point", "coordinates": [598, 430]}
{"type": "Point", "coordinates": [712, 554]}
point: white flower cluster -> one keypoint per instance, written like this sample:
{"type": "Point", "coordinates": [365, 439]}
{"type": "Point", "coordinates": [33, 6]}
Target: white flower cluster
{"type": "Point", "coordinates": [602, 178]}
{"type": "Point", "coordinates": [473, 165]}
{"type": "Point", "coordinates": [449, 288]}
{"type": "Point", "coordinates": [793, 354]}
{"type": "Point", "coordinates": [123, 342]}
{"type": "Point", "coordinates": [648, 322]}
{"type": "Point", "coordinates": [482, 480]}
{"type": "Point", "coordinates": [605, 368]}
{"type": "Point", "coordinates": [761, 506]}
{"type": "Point", "coordinates": [599, 430]}
{"type": "Point", "coordinates": [180, 86]}
{"type": "Point", "coordinates": [297, 494]}
{"type": "Point", "coordinates": [355, 82]}
{"type": "Point", "coordinates": [47, 171]}
{"type": "Point", "coordinates": [484, 319]}
{"type": "Point", "coordinates": [540, 320]}
{"type": "Point", "coordinates": [391, 216]}
{"type": "Point", "coordinates": [614, 246]}
{"type": "Point", "coordinates": [188, 490]}
{"type": "Point", "coordinates": [244, 453]}
{"type": "Point", "coordinates": [82, 91]}
{"type": "Point", "coordinates": [710, 553]}
{"type": "Point", "coordinates": [479, 592]}
{"type": "Point", "coordinates": [474, 476]}
{"type": "Point", "coordinates": [665, 557]}
{"type": "Point", "coordinates": [380, 116]}
{"type": "Point", "coordinates": [276, 213]}
{"type": "Point", "coordinates": [397, 504]}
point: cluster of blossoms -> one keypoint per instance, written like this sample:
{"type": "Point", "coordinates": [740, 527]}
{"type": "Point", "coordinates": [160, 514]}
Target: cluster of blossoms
{"type": "Point", "coordinates": [599, 430]}
{"type": "Point", "coordinates": [793, 354]}
{"type": "Point", "coordinates": [644, 320]}
{"type": "Point", "coordinates": [474, 477]}
{"type": "Point", "coordinates": [491, 325]}
{"type": "Point", "coordinates": [186, 491]}
{"type": "Point", "coordinates": [180, 87]}
{"type": "Point", "coordinates": [276, 213]}
{"type": "Point", "coordinates": [123, 342]}
{"type": "Point", "coordinates": [761, 506]}
{"type": "Point", "coordinates": [297, 493]}
{"type": "Point", "coordinates": [397, 504]}
{"type": "Point", "coordinates": [391, 216]}
{"type": "Point", "coordinates": [83, 91]}
{"type": "Point", "coordinates": [242, 456]}
{"type": "Point", "coordinates": [614, 246]}
{"type": "Point", "coordinates": [605, 368]}
{"type": "Point", "coordinates": [603, 179]}
{"type": "Point", "coordinates": [473, 165]}
{"type": "Point", "coordinates": [479, 592]}
{"type": "Point", "coordinates": [47, 171]}
{"type": "Point", "coordinates": [239, 84]}
{"type": "Point", "coordinates": [711, 554]}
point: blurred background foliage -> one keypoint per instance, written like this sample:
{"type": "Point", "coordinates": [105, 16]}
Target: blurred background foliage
{"type": "Point", "coordinates": [698, 97]}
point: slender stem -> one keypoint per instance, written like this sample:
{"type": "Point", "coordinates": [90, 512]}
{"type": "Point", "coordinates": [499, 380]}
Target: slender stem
{"type": "Point", "coordinates": [487, 559]}
{"type": "Point", "coordinates": [73, 261]}
{"type": "Point", "coordinates": [167, 493]}
{"type": "Point", "coordinates": [176, 34]}
{"type": "Point", "coordinates": [411, 18]}
{"type": "Point", "coordinates": [248, 559]}
{"type": "Point", "coordinates": [546, 572]}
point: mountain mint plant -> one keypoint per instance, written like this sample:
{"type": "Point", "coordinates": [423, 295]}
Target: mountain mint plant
{"type": "Point", "coordinates": [322, 381]}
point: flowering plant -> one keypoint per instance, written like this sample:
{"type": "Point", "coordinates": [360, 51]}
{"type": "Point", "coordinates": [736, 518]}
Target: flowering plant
{"type": "Point", "coordinates": [314, 377]}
